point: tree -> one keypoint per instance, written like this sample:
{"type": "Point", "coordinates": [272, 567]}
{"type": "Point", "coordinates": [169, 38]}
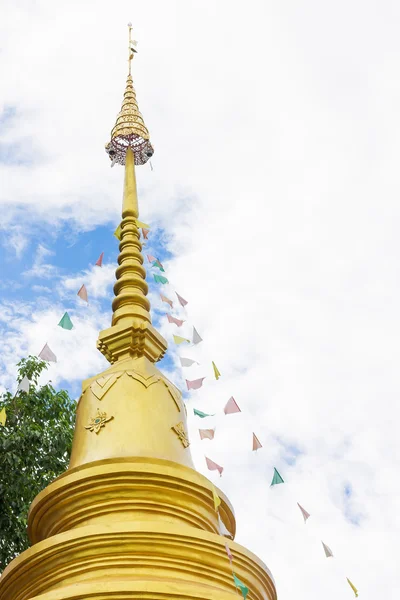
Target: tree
{"type": "Point", "coordinates": [35, 445]}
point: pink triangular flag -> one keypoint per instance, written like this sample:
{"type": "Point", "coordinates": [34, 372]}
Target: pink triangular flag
{"type": "Point", "coordinates": [178, 322]}
{"type": "Point", "coordinates": [145, 233]}
{"type": "Point", "coordinates": [231, 407]}
{"type": "Point", "coordinates": [212, 466]}
{"type": "Point", "coordinates": [182, 301]}
{"type": "Point", "coordinates": [206, 434]}
{"type": "Point", "coordinates": [195, 384]}
{"type": "Point", "coordinates": [99, 261]}
{"type": "Point", "coordinates": [229, 553]}
{"type": "Point", "coordinates": [256, 442]}
{"type": "Point", "coordinates": [167, 300]}
{"type": "Point", "coordinates": [327, 550]}
{"type": "Point", "coordinates": [305, 514]}
{"type": "Point", "coordinates": [151, 258]}
{"type": "Point", "coordinates": [83, 293]}
{"type": "Point", "coordinates": [47, 355]}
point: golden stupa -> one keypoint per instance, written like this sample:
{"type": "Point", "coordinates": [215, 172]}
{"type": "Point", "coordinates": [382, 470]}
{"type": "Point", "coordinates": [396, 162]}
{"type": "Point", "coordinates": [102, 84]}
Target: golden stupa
{"type": "Point", "coordinates": [131, 518]}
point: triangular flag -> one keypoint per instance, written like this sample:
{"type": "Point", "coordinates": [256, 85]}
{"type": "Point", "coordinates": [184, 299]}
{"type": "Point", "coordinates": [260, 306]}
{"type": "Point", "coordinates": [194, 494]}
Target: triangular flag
{"type": "Point", "coordinates": [276, 478]}
{"type": "Point", "coordinates": [206, 434]}
{"type": "Point", "coordinates": [222, 529]}
{"type": "Point", "coordinates": [151, 258]}
{"type": "Point", "coordinates": [47, 355]}
{"type": "Point", "coordinates": [160, 279]}
{"type": "Point", "coordinates": [256, 442]}
{"type": "Point", "coordinates": [157, 263]}
{"type": "Point", "coordinates": [213, 466]}
{"type": "Point", "coordinates": [196, 337]}
{"type": "Point", "coordinates": [216, 498]}
{"type": "Point", "coordinates": [99, 261]}
{"type": "Point", "coordinates": [179, 340]}
{"type": "Point", "coordinates": [202, 415]}
{"type": "Point", "coordinates": [195, 384]}
{"type": "Point", "coordinates": [145, 233]}
{"type": "Point", "coordinates": [353, 587]}
{"type": "Point", "coordinates": [231, 407]}
{"type": "Point", "coordinates": [229, 553]}
{"type": "Point", "coordinates": [182, 301]}
{"type": "Point", "coordinates": [141, 225]}
{"type": "Point", "coordinates": [178, 322]}
{"type": "Point", "coordinates": [23, 385]}
{"type": "Point", "coordinates": [118, 232]}
{"type": "Point", "coordinates": [305, 514]}
{"type": "Point", "coordinates": [187, 362]}
{"type": "Point", "coordinates": [216, 372]}
{"type": "Point", "coordinates": [327, 550]}
{"type": "Point", "coordinates": [3, 416]}
{"type": "Point", "coordinates": [83, 293]}
{"type": "Point", "coordinates": [239, 584]}
{"type": "Point", "coordinates": [167, 300]}
{"type": "Point", "coordinates": [66, 322]}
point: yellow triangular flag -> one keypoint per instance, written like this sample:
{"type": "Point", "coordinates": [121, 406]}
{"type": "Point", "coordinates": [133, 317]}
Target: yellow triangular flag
{"type": "Point", "coordinates": [141, 225]}
{"type": "Point", "coordinates": [216, 372]}
{"type": "Point", "coordinates": [118, 232]}
{"type": "Point", "coordinates": [3, 416]}
{"type": "Point", "coordinates": [353, 587]}
{"type": "Point", "coordinates": [179, 340]}
{"type": "Point", "coordinates": [216, 498]}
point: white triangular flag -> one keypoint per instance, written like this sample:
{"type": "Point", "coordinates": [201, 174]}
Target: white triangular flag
{"type": "Point", "coordinates": [305, 514]}
{"type": "Point", "coordinates": [187, 362]}
{"type": "Point", "coordinates": [47, 354]}
{"type": "Point", "coordinates": [23, 385]}
{"type": "Point", "coordinates": [328, 551]}
{"type": "Point", "coordinates": [196, 337]}
{"type": "Point", "coordinates": [222, 529]}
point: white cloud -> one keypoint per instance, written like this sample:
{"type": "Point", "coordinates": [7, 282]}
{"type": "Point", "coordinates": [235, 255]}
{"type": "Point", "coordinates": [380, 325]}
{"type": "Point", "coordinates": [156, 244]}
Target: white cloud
{"type": "Point", "coordinates": [40, 268]}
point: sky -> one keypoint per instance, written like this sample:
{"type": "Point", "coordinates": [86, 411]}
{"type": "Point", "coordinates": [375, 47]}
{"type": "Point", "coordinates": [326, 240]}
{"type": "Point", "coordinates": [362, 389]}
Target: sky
{"type": "Point", "coordinates": [274, 206]}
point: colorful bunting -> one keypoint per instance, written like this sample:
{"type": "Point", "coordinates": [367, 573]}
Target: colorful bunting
{"type": "Point", "coordinates": [141, 225]}
{"type": "Point", "coordinates": [47, 355]}
{"type": "Point", "coordinates": [157, 263]}
{"type": "Point", "coordinates": [202, 415]}
{"type": "Point", "coordinates": [256, 442]}
{"type": "Point", "coordinates": [177, 322]}
{"type": "Point", "coordinates": [276, 478]}
{"type": "Point", "coordinates": [206, 434]}
{"type": "Point", "coordinates": [66, 322]}
{"type": "Point", "coordinates": [196, 337]}
{"type": "Point", "coordinates": [327, 550]}
{"type": "Point", "coordinates": [179, 340]}
{"type": "Point", "coordinates": [353, 587]}
{"type": "Point", "coordinates": [151, 258]}
{"type": "Point", "coordinates": [195, 384]}
{"type": "Point", "coordinates": [305, 514]}
{"type": "Point", "coordinates": [216, 372]}
{"type": "Point", "coordinates": [145, 233]}
{"type": "Point", "coordinates": [23, 385]}
{"type": "Point", "coordinates": [160, 279]}
{"type": "Point", "coordinates": [222, 529]}
{"type": "Point", "coordinates": [239, 584]}
{"type": "Point", "coordinates": [118, 232]}
{"type": "Point", "coordinates": [99, 261]}
{"type": "Point", "coordinates": [182, 301]}
{"type": "Point", "coordinates": [3, 416]}
{"type": "Point", "coordinates": [231, 407]}
{"type": "Point", "coordinates": [228, 552]}
{"type": "Point", "coordinates": [167, 300]}
{"type": "Point", "coordinates": [216, 498]}
{"type": "Point", "coordinates": [83, 293]}
{"type": "Point", "coordinates": [213, 466]}
{"type": "Point", "coordinates": [187, 362]}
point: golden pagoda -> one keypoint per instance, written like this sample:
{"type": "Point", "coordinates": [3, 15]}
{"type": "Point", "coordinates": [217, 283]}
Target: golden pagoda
{"type": "Point", "coordinates": [131, 518]}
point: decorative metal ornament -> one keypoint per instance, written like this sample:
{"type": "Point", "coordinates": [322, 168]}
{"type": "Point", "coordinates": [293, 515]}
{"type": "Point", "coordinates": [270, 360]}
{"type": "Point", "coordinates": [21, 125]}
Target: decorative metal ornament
{"type": "Point", "coordinates": [179, 429]}
{"type": "Point", "coordinates": [99, 421]}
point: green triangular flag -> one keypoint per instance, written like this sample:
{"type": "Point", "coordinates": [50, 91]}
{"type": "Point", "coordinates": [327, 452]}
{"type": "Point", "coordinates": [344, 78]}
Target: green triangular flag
{"type": "Point", "coordinates": [160, 279]}
{"type": "Point", "coordinates": [239, 584]}
{"type": "Point", "coordinates": [157, 263]}
{"type": "Point", "coordinates": [276, 478]}
{"type": "Point", "coordinates": [66, 322]}
{"type": "Point", "coordinates": [200, 414]}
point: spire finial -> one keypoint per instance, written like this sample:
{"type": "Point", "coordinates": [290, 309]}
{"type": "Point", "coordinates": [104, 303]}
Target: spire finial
{"type": "Point", "coordinates": [132, 47]}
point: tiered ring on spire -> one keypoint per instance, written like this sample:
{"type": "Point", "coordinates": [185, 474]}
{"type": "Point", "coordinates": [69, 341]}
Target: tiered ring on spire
{"type": "Point", "coordinates": [130, 131]}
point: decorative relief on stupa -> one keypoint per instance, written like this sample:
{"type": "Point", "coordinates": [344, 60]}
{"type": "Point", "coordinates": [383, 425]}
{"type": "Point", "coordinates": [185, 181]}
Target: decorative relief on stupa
{"type": "Point", "coordinates": [179, 429]}
{"type": "Point", "coordinates": [97, 422]}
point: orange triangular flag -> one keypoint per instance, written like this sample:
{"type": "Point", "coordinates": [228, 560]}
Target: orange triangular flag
{"type": "Point", "coordinates": [167, 300]}
{"type": "Point", "coordinates": [231, 407]}
{"type": "Point", "coordinates": [256, 442]}
{"type": "Point", "coordinates": [99, 261]}
{"type": "Point", "coordinates": [145, 233]}
{"type": "Point", "coordinates": [206, 434]}
{"type": "Point", "coordinates": [83, 293]}
{"type": "Point", "coordinates": [212, 466]}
